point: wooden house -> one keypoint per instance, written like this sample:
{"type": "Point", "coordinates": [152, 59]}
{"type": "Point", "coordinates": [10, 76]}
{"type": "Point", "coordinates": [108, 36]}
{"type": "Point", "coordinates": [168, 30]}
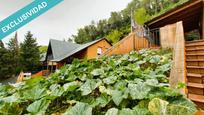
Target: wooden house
{"type": "Point", "coordinates": [60, 53]}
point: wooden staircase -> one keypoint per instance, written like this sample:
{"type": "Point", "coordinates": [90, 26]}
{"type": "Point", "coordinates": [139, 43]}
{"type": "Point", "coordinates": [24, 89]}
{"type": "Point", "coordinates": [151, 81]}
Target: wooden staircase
{"type": "Point", "coordinates": [195, 71]}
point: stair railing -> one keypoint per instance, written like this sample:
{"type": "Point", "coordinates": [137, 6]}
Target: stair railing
{"type": "Point", "coordinates": [153, 35]}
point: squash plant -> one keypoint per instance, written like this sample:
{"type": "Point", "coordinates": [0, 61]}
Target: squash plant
{"type": "Point", "coordinates": [132, 84]}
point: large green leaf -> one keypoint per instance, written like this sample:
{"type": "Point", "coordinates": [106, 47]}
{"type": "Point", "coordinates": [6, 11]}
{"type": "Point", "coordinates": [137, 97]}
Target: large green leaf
{"type": "Point", "coordinates": [34, 93]}
{"type": "Point", "coordinates": [179, 110]}
{"type": "Point", "coordinates": [117, 96]}
{"type": "Point", "coordinates": [110, 80]}
{"type": "Point", "coordinates": [56, 90]}
{"type": "Point", "coordinates": [140, 111]}
{"type": "Point", "coordinates": [71, 86]}
{"type": "Point", "coordinates": [79, 109]}
{"type": "Point", "coordinates": [112, 111]}
{"type": "Point", "coordinates": [120, 85]}
{"type": "Point", "coordinates": [10, 109]}
{"type": "Point", "coordinates": [158, 107]}
{"type": "Point", "coordinates": [5, 90]}
{"type": "Point", "coordinates": [152, 82]}
{"type": "Point", "coordinates": [38, 107]}
{"type": "Point", "coordinates": [155, 59]}
{"type": "Point", "coordinates": [103, 100]}
{"type": "Point", "coordinates": [89, 86]}
{"type": "Point", "coordinates": [126, 111]}
{"type": "Point", "coordinates": [184, 105]}
{"type": "Point", "coordinates": [10, 99]}
{"type": "Point", "coordinates": [97, 72]}
{"type": "Point", "coordinates": [138, 91]}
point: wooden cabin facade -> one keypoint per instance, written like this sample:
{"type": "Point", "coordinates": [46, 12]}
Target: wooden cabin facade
{"type": "Point", "coordinates": [60, 53]}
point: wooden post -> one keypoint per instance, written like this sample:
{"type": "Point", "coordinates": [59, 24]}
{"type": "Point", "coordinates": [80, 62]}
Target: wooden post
{"type": "Point", "coordinates": [134, 41]}
{"type": "Point", "coordinates": [202, 21]}
{"type": "Point", "coordinates": [52, 67]}
{"type": "Point", "coordinates": [178, 69]}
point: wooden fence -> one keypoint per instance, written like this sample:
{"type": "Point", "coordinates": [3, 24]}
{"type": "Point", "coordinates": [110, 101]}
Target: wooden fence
{"type": "Point", "coordinates": [127, 44]}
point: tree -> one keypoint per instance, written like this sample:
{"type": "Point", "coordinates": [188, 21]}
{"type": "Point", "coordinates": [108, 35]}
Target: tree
{"type": "Point", "coordinates": [14, 51]}
{"type": "Point", "coordinates": [1, 44]}
{"type": "Point", "coordinates": [43, 49]}
{"type": "Point", "coordinates": [6, 68]}
{"type": "Point", "coordinates": [114, 36]}
{"type": "Point", "coordinates": [30, 54]}
{"type": "Point", "coordinates": [70, 40]}
{"type": "Point", "coordinates": [141, 16]}
{"type": "Point", "coordinates": [144, 11]}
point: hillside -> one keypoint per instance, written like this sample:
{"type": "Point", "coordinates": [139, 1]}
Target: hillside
{"type": "Point", "coordinates": [119, 24]}
{"type": "Point", "coordinates": [136, 83]}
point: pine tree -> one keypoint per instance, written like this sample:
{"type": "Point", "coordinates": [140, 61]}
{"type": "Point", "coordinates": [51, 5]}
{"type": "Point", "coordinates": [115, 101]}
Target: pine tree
{"type": "Point", "coordinates": [1, 44]}
{"type": "Point", "coordinates": [14, 52]}
{"type": "Point", "coordinates": [70, 40]}
{"type": "Point", "coordinates": [6, 68]}
{"type": "Point", "coordinates": [30, 54]}
{"type": "Point", "coordinates": [13, 45]}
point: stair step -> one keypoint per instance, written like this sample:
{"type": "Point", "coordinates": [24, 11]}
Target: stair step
{"type": "Point", "coordinates": [195, 67]}
{"type": "Point", "coordinates": [197, 98]}
{"type": "Point", "coordinates": [194, 41]}
{"type": "Point", "coordinates": [194, 49]}
{"type": "Point", "coordinates": [194, 75]}
{"type": "Point", "coordinates": [196, 54]}
{"type": "Point", "coordinates": [195, 44]}
{"type": "Point", "coordinates": [194, 60]}
{"type": "Point", "coordinates": [196, 85]}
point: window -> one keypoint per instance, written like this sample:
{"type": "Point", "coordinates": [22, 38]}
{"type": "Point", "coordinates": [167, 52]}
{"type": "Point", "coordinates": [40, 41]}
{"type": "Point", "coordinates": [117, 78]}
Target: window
{"type": "Point", "coordinates": [99, 51]}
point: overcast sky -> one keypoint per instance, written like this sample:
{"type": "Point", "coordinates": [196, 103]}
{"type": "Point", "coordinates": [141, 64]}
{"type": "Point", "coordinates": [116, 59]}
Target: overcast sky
{"type": "Point", "coordinates": [64, 19]}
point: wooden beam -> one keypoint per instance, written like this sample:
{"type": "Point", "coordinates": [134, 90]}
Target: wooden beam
{"type": "Point", "coordinates": [188, 14]}
{"type": "Point", "coordinates": [178, 68]}
{"type": "Point", "coordinates": [202, 22]}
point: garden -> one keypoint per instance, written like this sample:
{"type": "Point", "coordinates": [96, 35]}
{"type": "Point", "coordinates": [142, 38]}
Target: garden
{"type": "Point", "coordinates": [133, 84]}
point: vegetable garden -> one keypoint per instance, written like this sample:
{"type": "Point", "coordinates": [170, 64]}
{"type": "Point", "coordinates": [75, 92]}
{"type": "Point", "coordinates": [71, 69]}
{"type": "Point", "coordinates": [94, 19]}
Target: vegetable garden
{"type": "Point", "coordinates": [133, 84]}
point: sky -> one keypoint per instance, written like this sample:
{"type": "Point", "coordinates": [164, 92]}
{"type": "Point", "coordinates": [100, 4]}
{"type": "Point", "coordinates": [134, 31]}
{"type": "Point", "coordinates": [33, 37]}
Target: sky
{"type": "Point", "coordinates": [63, 20]}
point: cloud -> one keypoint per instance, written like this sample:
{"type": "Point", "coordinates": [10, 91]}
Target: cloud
{"type": "Point", "coordinates": [63, 20]}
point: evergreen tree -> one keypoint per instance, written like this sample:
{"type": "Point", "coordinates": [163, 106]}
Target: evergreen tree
{"type": "Point", "coordinates": [6, 68]}
{"type": "Point", "coordinates": [14, 52]}
{"type": "Point", "coordinates": [30, 54]}
{"type": "Point", "coordinates": [1, 44]}
{"type": "Point", "coordinates": [70, 40]}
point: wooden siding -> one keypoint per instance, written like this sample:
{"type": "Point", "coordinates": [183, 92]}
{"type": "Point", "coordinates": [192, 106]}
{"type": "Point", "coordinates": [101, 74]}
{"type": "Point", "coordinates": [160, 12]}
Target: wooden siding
{"type": "Point", "coordinates": [178, 69]}
{"type": "Point", "coordinates": [81, 55]}
{"type": "Point", "coordinates": [127, 44]}
{"type": "Point", "coordinates": [41, 73]}
{"type": "Point", "coordinates": [59, 65]}
{"type": "Point", "coordinates": [167, 36]}
{"type": "Point", "coordinates": [91, 51]}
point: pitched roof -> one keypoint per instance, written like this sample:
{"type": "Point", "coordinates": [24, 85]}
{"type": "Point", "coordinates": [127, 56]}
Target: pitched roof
{"type": "Point", "coordinates": [82, 47]}
{"type": "Point", "coordinates": [66, 49]}
{"type": "Point", "coordinates": [59, 48]}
